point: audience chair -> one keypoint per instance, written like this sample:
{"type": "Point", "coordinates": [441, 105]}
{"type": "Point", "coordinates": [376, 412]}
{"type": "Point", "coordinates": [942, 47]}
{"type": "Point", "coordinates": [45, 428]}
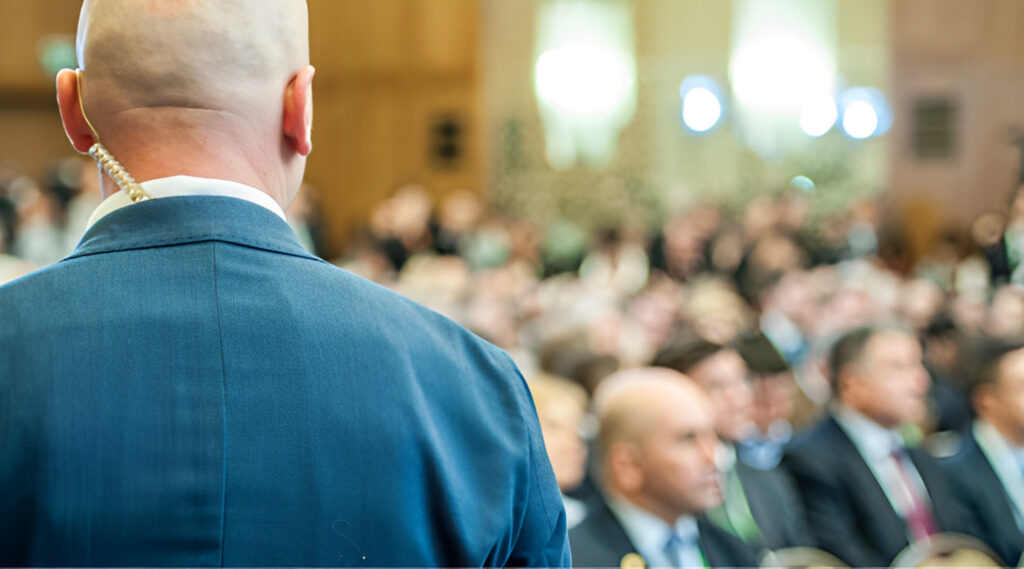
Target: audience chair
{"type": "Point", "coordinates": [801, 558]}
{"type": "Point", "coordinates": [947, 550]}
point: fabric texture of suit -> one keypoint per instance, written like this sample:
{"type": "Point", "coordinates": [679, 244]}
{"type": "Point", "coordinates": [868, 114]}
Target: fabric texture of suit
{"type": "Point", "coordinates": [600, 541]}
{"type": "Point", "coordinates": [847, 509]}
{"type": "Point", "coordinates": [776, 506]}
{"type": "Point", "coordinates": [983, 492]}
{"type": "Point", "coordinates": [191, 388]}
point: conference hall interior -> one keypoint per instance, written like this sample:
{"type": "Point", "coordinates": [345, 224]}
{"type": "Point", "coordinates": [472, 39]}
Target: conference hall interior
{"type": "Point", "coordinates": [601, 186]}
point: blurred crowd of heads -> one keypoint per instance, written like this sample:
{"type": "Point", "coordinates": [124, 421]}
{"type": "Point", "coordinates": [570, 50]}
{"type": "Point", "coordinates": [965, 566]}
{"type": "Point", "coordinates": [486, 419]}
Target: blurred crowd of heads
{"type": "Point", "coordinates": [773, 314]}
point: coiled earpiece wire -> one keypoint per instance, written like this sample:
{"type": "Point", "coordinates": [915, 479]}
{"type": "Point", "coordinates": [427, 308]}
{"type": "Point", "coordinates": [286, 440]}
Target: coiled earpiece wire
{"type": "Point", "coordinates": [125, 182]}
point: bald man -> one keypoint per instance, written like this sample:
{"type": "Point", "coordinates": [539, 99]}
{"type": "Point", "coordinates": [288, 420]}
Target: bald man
{"type": "Point", "coordinates": [191, 388]}
{"type": "Point", "coordinates": [657, 448]}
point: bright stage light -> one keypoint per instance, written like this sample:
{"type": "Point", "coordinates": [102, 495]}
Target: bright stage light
{"type": "Point", "coordinates": [818, 115]}
{"type": "Point", "coordinates": [583, 79]}
{"type": "Point", "coordinates": [779, 73]}
{"type": "Point", "coordinates": [865, 111]}
{"type": "Point", "coordinates": [702, 103]}
{"type": "Point", "coordinates": [860, 120]}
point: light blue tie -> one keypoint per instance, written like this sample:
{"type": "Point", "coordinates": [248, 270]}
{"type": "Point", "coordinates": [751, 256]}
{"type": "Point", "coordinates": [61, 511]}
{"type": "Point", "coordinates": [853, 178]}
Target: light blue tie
{"type": "Point", "coordinates": [674, 550]}
{"type": "Point", "coordinates": [683, 552]}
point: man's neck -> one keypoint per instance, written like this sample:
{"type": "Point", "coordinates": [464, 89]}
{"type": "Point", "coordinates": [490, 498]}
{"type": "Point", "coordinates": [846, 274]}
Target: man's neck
{"type": "Point", "coordinates": [1010, 435]}
{"type": "Point", "coordinates": [206, 144]}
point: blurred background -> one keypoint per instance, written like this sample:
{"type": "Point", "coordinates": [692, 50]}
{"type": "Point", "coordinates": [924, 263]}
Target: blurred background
{"type": "Point", "coordinates": [618, 113]}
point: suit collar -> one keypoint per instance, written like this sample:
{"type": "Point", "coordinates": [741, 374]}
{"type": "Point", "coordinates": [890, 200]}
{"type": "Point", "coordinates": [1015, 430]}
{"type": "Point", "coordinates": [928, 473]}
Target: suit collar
{"type": "Point", "coordinates": [649, 533]}
{"type": "Point", "coordinates": [188, 186]}
{"type": "Point", "coordinates": [871, 439]}
{"type": "Point", "coordinates": [189, 219]}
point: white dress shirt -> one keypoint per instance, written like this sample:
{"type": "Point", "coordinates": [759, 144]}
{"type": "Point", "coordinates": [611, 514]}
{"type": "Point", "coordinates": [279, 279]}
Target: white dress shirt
{"type": "Point", "coordinates": [650, 534]}
{"type": "Point", "coordinates": [188, 186]}
{"type": "Point", "coordinates": [1008, 462]}
{"type": "Point", "coordinates": [876, 445]}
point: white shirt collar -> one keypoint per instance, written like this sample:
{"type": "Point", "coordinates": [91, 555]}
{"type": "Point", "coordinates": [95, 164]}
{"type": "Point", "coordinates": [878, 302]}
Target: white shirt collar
{"type": "Point", "coordinates": [189, 186]}
{"type": "Point", "coordinates": [649, 533]}
{"type": "Point", "coordinates": [873, 440]}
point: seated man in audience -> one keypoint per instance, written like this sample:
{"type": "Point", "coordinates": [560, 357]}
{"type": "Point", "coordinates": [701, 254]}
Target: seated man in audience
{"type": "Point", "coordinates": [988, 472]}
{"type": "Point", "coordinates": [867, 495]}
{"type": "Point", "coordinates": [761, 504]}
{"type": "Point", "coordinates": [561, 408]}
{"type": "Point", "coordinates": [657, 448]}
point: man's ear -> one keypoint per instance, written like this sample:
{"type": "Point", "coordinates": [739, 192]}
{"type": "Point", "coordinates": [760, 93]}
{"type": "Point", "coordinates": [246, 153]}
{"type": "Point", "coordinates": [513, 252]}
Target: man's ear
{"type": "Point", "coordinates": [298, 111]}
{"type": "Point", "coordinates": [983, 398]}
{"type": "Point", "coordinates": [624, 467]}
{"type": "Point", "coordinates": [71, 112]}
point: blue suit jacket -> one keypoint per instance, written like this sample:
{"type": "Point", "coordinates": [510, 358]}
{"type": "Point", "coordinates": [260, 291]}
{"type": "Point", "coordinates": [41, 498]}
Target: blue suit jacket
{"type": "Point", "coordinates": [980, 487]}
{"type": "Point", "coordinates": [191, 388]}
{"type": "Point", "coordinates": [847, 509]}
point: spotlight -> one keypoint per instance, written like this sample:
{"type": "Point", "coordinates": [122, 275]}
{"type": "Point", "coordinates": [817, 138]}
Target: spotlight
{"type": "Point", "coordinates": [865, 112]}
{"type": "Point", "coordinates": [702, 103]}
{"type": "Point", "coordinates": [818, 115]}
{"type": "Point", "coordinates": [583, 79]}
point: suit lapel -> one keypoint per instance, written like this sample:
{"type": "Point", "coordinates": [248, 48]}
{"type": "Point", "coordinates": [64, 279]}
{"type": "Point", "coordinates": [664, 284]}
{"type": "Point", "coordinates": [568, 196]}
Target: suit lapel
{"type": "Point", "coordinates": [867, 494]}
{"type": "Point", "coordinates": [607, 533]}
{"type": "Point", "coordinates": [989, 487]}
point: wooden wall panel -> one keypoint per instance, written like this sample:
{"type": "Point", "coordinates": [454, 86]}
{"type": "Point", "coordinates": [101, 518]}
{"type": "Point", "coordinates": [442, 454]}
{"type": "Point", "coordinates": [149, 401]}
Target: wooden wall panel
{"type": "Point", "coordinates": [22, 24]}
{"type": "Point", "coordinates": [445, 37]}
{"type": "Point", "coordinates": [31, 137]}
{"type": "Point", "coordinates": [352, 38]}
{"type": "Point", "coordinates": [385, 72]}
{"type": "Point", "coordinates": [972, 53]}
{"type": "Point", "coordinates": [385, 69]}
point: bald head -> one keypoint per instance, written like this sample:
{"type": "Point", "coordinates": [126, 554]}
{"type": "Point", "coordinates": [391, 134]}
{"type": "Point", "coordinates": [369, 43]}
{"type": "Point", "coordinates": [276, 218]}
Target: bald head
{"type": "Point", "coordinates": [631, 403]}
{"type": "Point", "coordinates": [213, 88]}
{"type": "Point", "coordinates": [658, 443]}
{"type": "Point", "coordinates": [216, 54]}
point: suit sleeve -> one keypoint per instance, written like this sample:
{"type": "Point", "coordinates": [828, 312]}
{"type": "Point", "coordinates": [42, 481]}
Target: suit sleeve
{"type": "Point", "coordinates": [829, 511]}
{"type": "Point", "coordinates": [543, 539]}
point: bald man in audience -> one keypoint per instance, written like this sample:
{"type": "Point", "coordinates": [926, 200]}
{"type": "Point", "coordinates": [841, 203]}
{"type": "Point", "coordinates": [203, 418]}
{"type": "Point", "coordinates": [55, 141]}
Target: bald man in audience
{"type": "Point", "coordinates": [657, 447]}
{"type": "Point", "coordinates": [988, 470]}
{"type": "Point", "coordinates": [192, 388]}
{"type": "Point", "coordinates": [868, 494]}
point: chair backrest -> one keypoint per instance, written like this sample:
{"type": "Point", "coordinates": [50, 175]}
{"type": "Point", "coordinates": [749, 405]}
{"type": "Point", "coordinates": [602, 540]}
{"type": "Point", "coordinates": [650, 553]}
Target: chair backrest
{"type": "Point", "coordinates": [801, 558]}
{"type": "Point", "coordinates": [947, 550]}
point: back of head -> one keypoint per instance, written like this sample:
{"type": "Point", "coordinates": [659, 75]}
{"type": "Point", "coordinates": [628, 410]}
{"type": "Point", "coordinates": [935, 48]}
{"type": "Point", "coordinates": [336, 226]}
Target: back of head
{"type": "Point", "coordinates": [983, 358]}
{"type": "Point", "coordinates": [190, 54]}
{"type": "Point", "coordinates": [684, 351]}
{"type": "Point", "coordinates": [209, 88]}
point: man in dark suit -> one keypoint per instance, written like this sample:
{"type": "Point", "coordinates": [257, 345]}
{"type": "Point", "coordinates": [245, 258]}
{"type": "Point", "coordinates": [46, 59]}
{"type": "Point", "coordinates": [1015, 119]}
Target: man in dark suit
{"type": "Point", "coordinates": [190, 388]}
{"type": "Point", "coordinates": [760, 504]}
{"type": "Point", "coordinates": [988, 472]}
{"type": "Point", "coordinates": [867, 495]}
{"type": "Point", "coordinates": [657, 448]}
